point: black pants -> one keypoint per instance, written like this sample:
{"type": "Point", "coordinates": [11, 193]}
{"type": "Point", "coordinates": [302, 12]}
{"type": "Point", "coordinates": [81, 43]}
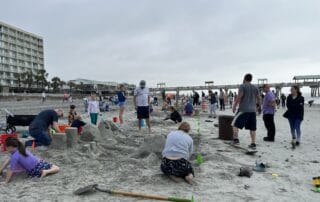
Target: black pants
{"type": "Point", "coordinates": [269, 124]}
{"type": "Point", "coordinates": [222, 106]}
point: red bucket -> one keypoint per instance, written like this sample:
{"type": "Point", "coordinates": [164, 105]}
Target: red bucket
{"type": "Point", "coordinates": [3, 138]}
{"type": "Point", "coordinates": [115, 119]}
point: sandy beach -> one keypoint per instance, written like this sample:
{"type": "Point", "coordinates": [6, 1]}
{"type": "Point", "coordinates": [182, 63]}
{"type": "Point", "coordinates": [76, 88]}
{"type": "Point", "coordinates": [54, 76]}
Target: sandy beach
{"type": "Point", "coordinates": [126, 160]}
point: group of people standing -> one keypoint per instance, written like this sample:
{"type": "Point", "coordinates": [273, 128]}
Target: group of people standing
{"type": "Point", "coordinates": [249, 102]}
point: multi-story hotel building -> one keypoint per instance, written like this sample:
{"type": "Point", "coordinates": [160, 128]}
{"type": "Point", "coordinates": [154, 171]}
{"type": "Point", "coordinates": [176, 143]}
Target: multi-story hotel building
{"type": "Point", "coordinates": [20, 51]}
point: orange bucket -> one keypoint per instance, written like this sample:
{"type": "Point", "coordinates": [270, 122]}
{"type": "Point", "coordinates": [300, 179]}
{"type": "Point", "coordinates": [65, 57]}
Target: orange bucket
{"type": "Point", "coordinates": [63, 127]}
{"type": "Point", "coordinates": [115, 119]}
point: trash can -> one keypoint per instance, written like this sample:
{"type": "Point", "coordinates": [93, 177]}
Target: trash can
{"type": "Point", "coordinates": [225, 128]}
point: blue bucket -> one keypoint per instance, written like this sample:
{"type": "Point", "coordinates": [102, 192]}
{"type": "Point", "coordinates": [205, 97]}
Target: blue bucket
{"type": "Point", "coordinates": [142, 123]}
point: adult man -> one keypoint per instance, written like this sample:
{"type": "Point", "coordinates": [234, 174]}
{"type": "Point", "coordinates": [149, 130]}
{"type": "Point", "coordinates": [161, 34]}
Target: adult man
{"type": "Point", "coordinates": [141, 102]}
{"type": "Point", "coordinates": [40, 127]}
{"type": "Point", "coordinates": [196, 97]}
{"type": "Point", "coordinates": [248, 99]}
{"type": "Point", "coordinates": [221, 100]}
{"type": "Point", "coordinates": [269, 104]}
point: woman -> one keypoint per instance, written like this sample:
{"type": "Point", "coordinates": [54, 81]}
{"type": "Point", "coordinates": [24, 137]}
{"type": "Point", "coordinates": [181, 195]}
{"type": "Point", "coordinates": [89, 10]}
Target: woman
{"type": "Point", "coordinates": [295, 113]}
{"type": "Point", "coordinates": [176, 154]}
{"type": "Point", "coordinates": [122, 101]}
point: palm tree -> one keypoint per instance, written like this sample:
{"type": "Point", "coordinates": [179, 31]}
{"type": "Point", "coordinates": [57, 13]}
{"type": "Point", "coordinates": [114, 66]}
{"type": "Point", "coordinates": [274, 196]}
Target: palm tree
{"type": "Point", "coordinates": [71, 85]}
{"type": "Point", "coordinates": [56, 83]}
{"type": "Point", "coordinates": [27, 78]}
{"type": "Point", "coordinates": [18, 77]}
{"type": "Point", "coordinates": [42, 75]}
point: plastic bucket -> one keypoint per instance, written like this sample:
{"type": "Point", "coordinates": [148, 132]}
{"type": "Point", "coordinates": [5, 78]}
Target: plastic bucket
{"type": "Point", "coordinates": [3, 138]}
{"type": "Point", "coordinates": [63, 127]}
{"type": "Point", "coordinates": [142, 123]}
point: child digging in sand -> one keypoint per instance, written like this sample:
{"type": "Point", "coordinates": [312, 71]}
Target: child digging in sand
{"type": "Point", "coordinates": [22, 160]}
{"type": "Point", "coordinates": [176, 154]}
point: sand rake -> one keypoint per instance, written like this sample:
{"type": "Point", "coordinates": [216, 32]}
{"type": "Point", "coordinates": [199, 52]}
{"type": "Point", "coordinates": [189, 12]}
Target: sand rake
{"type": "Point", "coordinates": [94, 187]}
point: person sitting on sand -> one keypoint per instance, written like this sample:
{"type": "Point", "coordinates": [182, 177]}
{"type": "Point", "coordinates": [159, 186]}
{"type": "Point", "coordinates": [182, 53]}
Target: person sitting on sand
{"type": "Point", "coordinates": [176, 154]}
{"type": "Point", "coordinates": [23, 160]}
{"type": "Point", "coordinates": [174, 116]}
{"type": "Point", "coordinates": [78, 123]}
{"type": "Point", "coordinates": [40, 127]}
{"type": "Point", "coordinates": [188, 109]}
{"type": "Point", "coordinates": [72, 114]}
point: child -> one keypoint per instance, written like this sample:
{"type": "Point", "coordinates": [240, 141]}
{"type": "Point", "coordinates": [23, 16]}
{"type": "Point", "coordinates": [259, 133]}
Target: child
{"type": "Point", "coordinates": [22, 160]}
{"type": "Point", "coordinates": [72, 114]}
{"type": "Point", "coordinates": [174, 116]}
{"type": "Point", "coordinates": [122, 101]}
{"type": "Point", "coordinates": [176, 154]}
{"type": "Point", "coordinates": [78, 123]}
{"type": "Point", "coordinates": [188, 109]}
{"type": "Point", "coordinates": [93, 109]}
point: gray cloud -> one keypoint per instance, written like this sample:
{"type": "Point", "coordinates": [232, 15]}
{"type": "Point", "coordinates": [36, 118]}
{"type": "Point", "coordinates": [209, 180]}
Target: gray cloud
{"type": "Point", "coordinates": [179, 42]}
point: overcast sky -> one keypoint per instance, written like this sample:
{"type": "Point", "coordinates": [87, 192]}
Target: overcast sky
{"type": "Point", "coordinates": [179, 42]}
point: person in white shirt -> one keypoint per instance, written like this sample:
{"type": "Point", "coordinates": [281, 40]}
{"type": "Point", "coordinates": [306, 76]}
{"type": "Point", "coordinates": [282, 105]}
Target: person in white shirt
{"type": "Point", "coordinates": [44, 96]}
{"type": "Point", "coordinates": [93, 108]}
{"type": "Point", "coordinates": [142, 102]}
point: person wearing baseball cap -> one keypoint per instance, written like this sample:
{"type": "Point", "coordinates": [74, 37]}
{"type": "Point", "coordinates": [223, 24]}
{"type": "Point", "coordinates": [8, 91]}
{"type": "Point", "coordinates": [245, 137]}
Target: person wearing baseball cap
{"type": "Point", "coordinates": [142, 104]}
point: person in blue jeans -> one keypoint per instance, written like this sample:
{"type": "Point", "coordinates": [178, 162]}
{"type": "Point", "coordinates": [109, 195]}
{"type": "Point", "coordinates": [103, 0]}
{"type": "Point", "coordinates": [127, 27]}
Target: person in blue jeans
{"type": "Point", "coordinates": [41, 125]}
{"type": "Point", "coordinates": [295, 113]}
{"type": "Point", "coordinates": [122, 101]}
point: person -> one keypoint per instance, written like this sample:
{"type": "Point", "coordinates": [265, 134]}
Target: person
{"type": "Point", "coordinates": [72, 114]}
{"type": "Point", "coordinates": [248, 100]}
{"type": "Point", "coordinates": [174, 116]}
{"type": "Point", "coordinates": [196, 97]}
{"type": "Point", "coordinates": [221, 100]}
{"type": "Point", "coordinates": [23, 160]}
{"type": "Point", "coordinates": [122, 101]}
{"type": "Point", "coordinates": [78, 123]}
{"type": "Point", "coordinates": [176, 154]}
{"type": "Point", "coordinates": [230, 97]}
{"type": "Point", "coordinates": [85, 102]}
{"type": "Point", "coordinates": [155, 100]}
{"type": "Point", "coordinates": [65, 97]}
{"type": "Point", "coordinates": [44, 96]}
{"type": "Point", "coordinates": [168, 100]}
{"type": "Point", "coordinates": [268, 109]}
{"type": "Point", "coordinates": [283, 100]}
{"type": "Point", "coordinates": [295, 113]}
{"type": "Point", "coordinates": [213, 103]}
{"type": "Point", "coordinates": [163, 94]}
{"type": "Point", "coordinates": [40, 127]}
{"type": "Point", "coordinates": [188, 109]}
{"type": "Point", "coordinates": [142, 104]}
{"type": "Point", "coordinates": [93, 108]}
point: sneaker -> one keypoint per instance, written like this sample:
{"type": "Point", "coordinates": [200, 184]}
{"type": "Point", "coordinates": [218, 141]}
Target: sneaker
{"type": "Point", "coordinates": [235, 142]}
{"type": "Point", "coordinates": [266, 139]}
{"type": "Point", "coordinates": [293, 143]}
{"type": "Point", "coordinates": [297, 143]}
{"type": "Point", "coordinates": [252, 146]}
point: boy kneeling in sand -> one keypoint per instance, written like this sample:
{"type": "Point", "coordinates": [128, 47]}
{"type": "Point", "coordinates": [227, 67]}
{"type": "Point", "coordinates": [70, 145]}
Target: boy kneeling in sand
{"type": "Point", "coordinates": [22, 160]}
{"type": "Point", "coordinates": [176, 153]}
